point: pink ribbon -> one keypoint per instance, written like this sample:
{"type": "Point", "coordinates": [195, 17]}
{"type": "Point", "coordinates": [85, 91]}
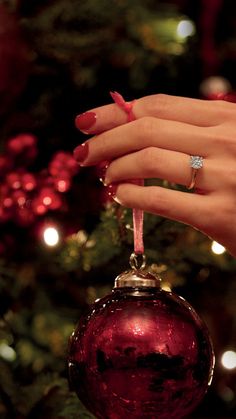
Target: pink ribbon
{"type": "Point", "coordinates": [137, 213]}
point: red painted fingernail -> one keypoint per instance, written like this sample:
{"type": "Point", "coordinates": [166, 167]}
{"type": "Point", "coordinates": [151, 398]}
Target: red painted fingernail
{"type": "Point", "coordinates": [101, 170]}
{"type": "Point", "coordinates": [85, 121]}
{"type": "Point", "coordinates": [81, 153]}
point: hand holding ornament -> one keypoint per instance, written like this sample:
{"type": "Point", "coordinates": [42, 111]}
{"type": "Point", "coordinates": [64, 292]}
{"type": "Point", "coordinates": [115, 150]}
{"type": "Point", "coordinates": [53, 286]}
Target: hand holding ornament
{"type": "Point", "coordinates": [166, 132]}
{"type": "Point", "coordinates": [128, 356]}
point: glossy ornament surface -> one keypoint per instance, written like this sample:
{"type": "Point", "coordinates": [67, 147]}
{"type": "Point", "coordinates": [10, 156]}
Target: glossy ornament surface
{"type": "Point", "coordinates": [140, 352]}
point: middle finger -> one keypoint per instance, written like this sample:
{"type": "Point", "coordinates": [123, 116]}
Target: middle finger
{"type": "Point", "coordinates": [142, 133]}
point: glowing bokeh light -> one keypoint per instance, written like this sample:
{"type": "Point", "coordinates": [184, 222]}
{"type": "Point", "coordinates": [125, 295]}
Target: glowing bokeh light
{"type": "Point", "coordinates": [51, 236]}
{"type": "Point", "coordinates": [185, 28]}
{"type": "Point", "coordinates": [217, 248]}
{"type": "Point", "coordinates": [47, 200]}
{"type": "Point", "coordinates": [7, 352]}
{"type": "Point", "coordinates": [228, 360]}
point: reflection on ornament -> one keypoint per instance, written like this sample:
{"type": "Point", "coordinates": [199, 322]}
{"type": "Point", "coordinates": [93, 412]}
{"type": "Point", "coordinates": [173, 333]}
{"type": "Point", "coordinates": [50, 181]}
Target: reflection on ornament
{"type": "Point", "coordinates": [140, 352]}
{"type": "Point", "coordinates": [217, 248]}
{"type": "Point", "coordinates": [51, 236]}
{"type": "Point", "coordinates": [228, 360]}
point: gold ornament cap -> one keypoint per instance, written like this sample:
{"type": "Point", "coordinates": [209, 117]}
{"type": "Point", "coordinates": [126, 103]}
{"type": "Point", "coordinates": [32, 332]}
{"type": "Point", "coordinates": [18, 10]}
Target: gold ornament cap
{"type": "Point", "coordinates": [136, 278]}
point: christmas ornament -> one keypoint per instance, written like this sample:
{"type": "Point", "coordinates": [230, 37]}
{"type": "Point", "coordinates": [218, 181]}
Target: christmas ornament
{"type": "Point", "coordinates": [140, 352]}
{"type": "Point", "coordinates": [24, 196]}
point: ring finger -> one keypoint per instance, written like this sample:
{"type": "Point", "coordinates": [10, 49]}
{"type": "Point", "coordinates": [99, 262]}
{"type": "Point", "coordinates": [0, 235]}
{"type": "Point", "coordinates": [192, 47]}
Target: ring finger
{"type": "Point", "coordinates": [153, 162]}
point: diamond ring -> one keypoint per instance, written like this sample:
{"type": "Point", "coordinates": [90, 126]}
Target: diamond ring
{"type": "Point", "coordinates": [196, 163]}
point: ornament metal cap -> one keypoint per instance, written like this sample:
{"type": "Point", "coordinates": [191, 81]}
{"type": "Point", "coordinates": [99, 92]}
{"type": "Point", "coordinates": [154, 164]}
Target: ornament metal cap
{"type": "Point", "coordinates": [136, 278]}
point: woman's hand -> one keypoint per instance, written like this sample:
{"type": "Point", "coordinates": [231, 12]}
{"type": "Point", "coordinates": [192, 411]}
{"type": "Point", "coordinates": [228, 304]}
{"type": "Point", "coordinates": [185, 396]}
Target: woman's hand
{"type": "Point", "coordinates": [167, 130]}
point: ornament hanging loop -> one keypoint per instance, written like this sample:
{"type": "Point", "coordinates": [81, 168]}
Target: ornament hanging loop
{"type": "Point", "coordinates": [137, 261]}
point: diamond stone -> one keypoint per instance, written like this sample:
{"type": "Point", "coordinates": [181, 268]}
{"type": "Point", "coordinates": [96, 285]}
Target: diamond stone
{"type": "Point", "coordinates": [196, 162]}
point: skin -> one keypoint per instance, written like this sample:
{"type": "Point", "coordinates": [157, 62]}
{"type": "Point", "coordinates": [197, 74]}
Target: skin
{"type": "Point", "coordinates": [166, 131]}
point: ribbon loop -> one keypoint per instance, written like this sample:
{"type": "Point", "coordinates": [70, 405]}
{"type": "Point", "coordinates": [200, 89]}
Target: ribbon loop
{"type": "Point", "coordinates": [138, 214]}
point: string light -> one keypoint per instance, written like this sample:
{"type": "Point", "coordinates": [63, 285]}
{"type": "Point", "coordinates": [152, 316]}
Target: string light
{"type": "Point", "coordinates": [217, 248]}
{"type": "Point", "coordinates": [228, 360]}
{"type": "Point", "coordinates": [185, 28]}
{"type": "Point", "coordinates": [51, 236]}
{"type": "Point", "coordinates": [7, 352]}
{"type": "Point", "coordinates": [227, 394]}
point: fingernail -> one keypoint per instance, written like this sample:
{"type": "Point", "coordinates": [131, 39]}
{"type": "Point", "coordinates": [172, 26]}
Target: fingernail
{"type": "Point", "coordinates": [85, 121]}
{"type": "Point", "coordinates": [81, 153]}
{"type": "Point", "coordinates": [102, 169]}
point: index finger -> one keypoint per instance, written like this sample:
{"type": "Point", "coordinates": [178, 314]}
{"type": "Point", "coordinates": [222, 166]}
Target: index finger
{"type": "Point", "coordinates": [202, 113]}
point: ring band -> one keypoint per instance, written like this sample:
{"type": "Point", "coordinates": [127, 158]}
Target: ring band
{"type": "Point", "coordinates": [196, 163]}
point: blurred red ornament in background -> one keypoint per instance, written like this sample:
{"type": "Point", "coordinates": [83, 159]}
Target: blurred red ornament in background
{"type": "Point", "coordinates": [28, 181]}
{"type": "Point", "coordinates": [23, 147]}
{"type": "Point", "coordinates": [140, 353]}
{"type": "Point", "coordinates": [24, 195]}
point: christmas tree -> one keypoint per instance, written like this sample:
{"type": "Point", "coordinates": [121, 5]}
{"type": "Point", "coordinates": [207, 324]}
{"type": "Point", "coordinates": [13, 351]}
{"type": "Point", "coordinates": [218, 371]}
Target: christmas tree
{"type": "Point", "coordinates": [63, 240]}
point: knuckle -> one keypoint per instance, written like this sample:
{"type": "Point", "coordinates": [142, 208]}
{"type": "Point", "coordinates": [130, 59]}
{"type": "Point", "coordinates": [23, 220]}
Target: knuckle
{"type": "Point", "coordinates": [230, 176]}
{"type": "Point", "coordinates": [229, 145]}
{"type": "Point", "coordinates": [148, 159]}
{"type": "Point", "coordinates": [159, 105]}
{"type": "Point", "coordinates": [103, 144]}
{"type": "Point", "coordinates": [226, 110]}
{"type": "Point", "coordinates": [157, 202]}
{"type": "Point", "coordinates": [146, 127]}
{"type": "Point", "coordinates": [223, 140]}
{"type": "Point", "coordinates": [224, 174]}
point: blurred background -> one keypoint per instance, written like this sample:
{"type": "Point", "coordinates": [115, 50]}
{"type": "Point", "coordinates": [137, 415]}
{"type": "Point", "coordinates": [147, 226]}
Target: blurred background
{"type": "Point", "coordinates": [62, 240]}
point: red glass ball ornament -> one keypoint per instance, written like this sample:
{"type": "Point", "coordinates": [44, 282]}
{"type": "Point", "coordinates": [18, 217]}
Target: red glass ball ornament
{"type": "Point", "coordinates": [140, 352]}
{"type": "Point", "coordinates": [50, 198]}
{"type": "Point", "coordinates": [5, 213]}
{"type": "Point", "coordinates": [72, 165]}
{"type": "Point", "coordinates": [5, 164]}
{"type": "Point", "coordinates": [13, 180]}
{"type": "Point", "coordinates": [15, 145]}
{"type": "Point", "coordinates": [28, 181]}
{"type": "Point", "coordinates": [55, 167]}
{"type": "Point", "coordinates": [62, 184]}
{"type": "Point", "coordinates": [28, 140]}
{"type": "Point", "coordinates": [38, 207]}
{"type": "Point", "coordinates": [24, 217]}
{"type": "Point", "coordinates": [19, 197]}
